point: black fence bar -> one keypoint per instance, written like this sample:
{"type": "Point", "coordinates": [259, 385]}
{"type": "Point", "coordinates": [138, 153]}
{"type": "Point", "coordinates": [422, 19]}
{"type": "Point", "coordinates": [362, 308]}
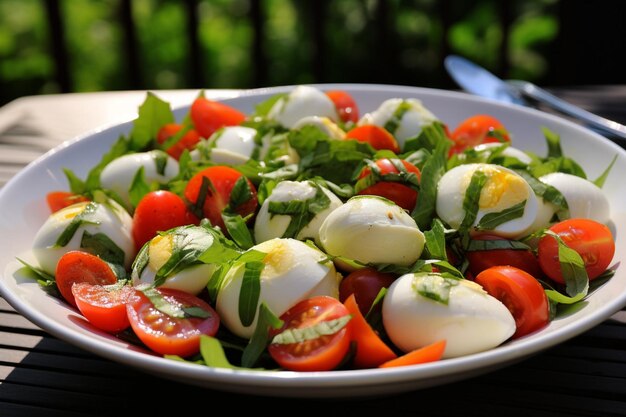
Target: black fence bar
{"type": "Point", "coordinates": [129, 42]}
{"type": "Point", "coordinates": [60, 55]}
{"type": "Point", "coordinates": [259, 60]}
{"type": "Point", "coordinates": [196, 68]}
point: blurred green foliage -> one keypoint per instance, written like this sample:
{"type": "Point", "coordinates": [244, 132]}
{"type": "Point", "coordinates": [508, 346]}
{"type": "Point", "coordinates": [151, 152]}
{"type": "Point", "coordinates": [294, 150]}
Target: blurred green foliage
{"type": "Point", "coordinates": [395, 41]}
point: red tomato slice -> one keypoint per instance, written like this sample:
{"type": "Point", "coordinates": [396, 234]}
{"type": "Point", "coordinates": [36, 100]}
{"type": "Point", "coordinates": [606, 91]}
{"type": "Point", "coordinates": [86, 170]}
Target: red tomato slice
{"type": "Point", "coordinates": [188, 141]}
{"type": "Point", "coordinates": [159, 211]}
{"type": "Point", "coordinates": [376, 136]}
{"type": "Point", "coordinates": [477, 129]}
{"type": "Point", "coordinates": [521, 293]}
{"type": "Point", "coordinates": [78, 266]}
{"type": "Point", "coordinates": [401, 194]}
{"type": "Point", "coordinates": [371, 351]}
{"type": "Point", "coordinates": [60, 199]}
{"type": "Point", "coordinates": [222, 179]}
{"type": "Point", "coordinates": [208, 116]}
{"type": "Point", "coordinates": [320, 354]}
{"type": "Point", "coordinates": [169, 335]}
{"type": "Point", "coordinates": [522, 259]}
{"type": "Point", "coordinates": [104, 306]}
{"type": "Point", "coordinates": [365, 284]}
{"type": "Point", "coordinates": [592, 240]}
{"type": "Point", "coordinates": [345, 104]}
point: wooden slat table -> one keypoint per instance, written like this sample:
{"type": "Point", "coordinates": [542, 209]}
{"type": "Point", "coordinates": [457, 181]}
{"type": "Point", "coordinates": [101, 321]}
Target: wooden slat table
{"type": "Point", "coordinates": [41, 375]}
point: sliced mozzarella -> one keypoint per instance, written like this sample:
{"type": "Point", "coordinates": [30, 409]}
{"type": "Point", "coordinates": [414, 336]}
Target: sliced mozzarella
{"type": "Point", "coordinates": [472, 321]}
{"type": "Point", "coordinates": [324, 124]}
{"type": "Point", "coordinates": [119, 174]}
{"type": "Point", "coordinates": [584, 198]}
{"type": "Point", "coordinates": [301, 102]}
{"type": "Point", "coordinates": [110, 220]}
{"type": "Point", "coordinates": [370, 229]}
{"type": "Point", "coordinates": [503, 190]}
{"type": "Point", "coordinates": [508, 151]}
{"type": "Point", "coordinates": [404, 118]}
{"type": "Point", "coordinates": [293, 271]}
{"type": "Point", "coordinates": [230, 145]}
{"type": "Point", "coordinates": [269, 225]}
{"type": "Point", "coordinates": [192, 279]}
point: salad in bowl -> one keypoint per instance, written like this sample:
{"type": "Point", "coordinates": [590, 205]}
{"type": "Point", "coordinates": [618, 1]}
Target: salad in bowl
{"type": "Point", "coordinates": [307, 234]}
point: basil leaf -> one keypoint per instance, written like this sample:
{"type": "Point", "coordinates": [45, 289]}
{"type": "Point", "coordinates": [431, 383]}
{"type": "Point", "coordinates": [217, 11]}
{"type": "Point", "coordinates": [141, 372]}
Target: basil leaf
{"type": "Point", "coordinates": [554, 143]}
{"type": "Point", "coordinates": [240, 194]}
{"type": "Point", "coordinates": [303, 334]}
{"type": "Point", "coordinates": [119, 148]}
{"type": "Point", "coordinates": [572, 268]}
{"type": "Point", "coordinates": [546, 191]}
{"type": "Point", "coordinates": [154, 113]}
{"type": "Point", "coordinates": [250, 291]}
{"type": "Point", "coordinates": [86, 216]}
{"type": "Point", "coordinates": [139, 187]}
{"type": "Point", "coordinates": [433, 170]}
{"type": "Point", "coordinates": [602, 178]}
{"type": "Point", "coordinates": [301, 212]}
{"type": "Point", "coordinates": [472, 199]}
{"type": "Point", "coordinates": [492, 220]}
{"type": "Point", "coordinates": [429, 138]}
{"type": "Point", "coordinates": [496, 244]}
{"type": "Point", "coordinates": [434, 286]}
{"type": "Point", "coordinates": [394, 121]}
{"type": "Point", "coordinates": [238, 230]}
{"type": "Point", "coordinates": [260, 338]}
{"type": "Point", "coordinates": [100, 244]}
{"type": "Point", "coordinates": [213, 354]}
{"type": "Point", "coordinates": [174, 310]}
{"type": "Point", "coordinates": [436, 240]}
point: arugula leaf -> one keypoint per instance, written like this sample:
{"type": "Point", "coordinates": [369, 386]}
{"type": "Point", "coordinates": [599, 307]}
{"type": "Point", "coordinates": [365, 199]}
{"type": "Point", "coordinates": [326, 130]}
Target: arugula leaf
{"type": "Point", "coordinates": [602, 178]}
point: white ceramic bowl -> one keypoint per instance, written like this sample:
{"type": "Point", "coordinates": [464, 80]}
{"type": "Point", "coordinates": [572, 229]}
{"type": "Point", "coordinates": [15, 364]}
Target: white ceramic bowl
{"type": "Point", "coordinates": [23, 210]}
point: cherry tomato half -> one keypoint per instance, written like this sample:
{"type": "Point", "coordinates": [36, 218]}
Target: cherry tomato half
{"type": "Point", "coordinates": [398, 192]}
{"type": "Point", "coordinates": [77, 266]}
{"type": "Point", "coordinates": [208, 116]}
{"type": "Point", "coordinates": [477, 129]}
{"type": "Point", "coordinates": [57, 200]}
{"type": "Point", "coordinates": [520, 258]}
{"type": "Point", "coordinates": [592, 240]}
{"type": "Point", "coordinates": [376, 136]}
{"type": "Point", "coordinates": [222, 181]}
{"type": "Point", "coordinates": [365, 284]}
{"type": "Point", "coordinates": [322, 353]}
{"type": "Point", "coordinates": [345, 104]}
{"type": "Point", "coordinates": [159, 211]}
{"type": "Point", "coordinates": [188, 141]}
{"type": "Point", "coordinates": [104, 306]}
{"type": "Point", "coordinates": [521, 293]}
{"type": "Point", "coordinates": [169, 335]}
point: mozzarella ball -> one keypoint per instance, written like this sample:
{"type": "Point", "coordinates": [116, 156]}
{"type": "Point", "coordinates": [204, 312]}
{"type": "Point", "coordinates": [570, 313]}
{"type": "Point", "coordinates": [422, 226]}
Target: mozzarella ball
{"type": "Point", "coordinates": [371, 229]}
{"type": "Point", "coordinates": [108, 219]}
{"type": "Point", "coordinates": [269, 224]}
{"type": "Point", "coordinates": [118, 175]}
{"type": "Point", "coordinates": [508, 151]}
{"type": "Point", "coordinates": [408, 117]}
{"type": "Point", "coordinates": [293, 271]}
{"type": "Point", "coordinates": [504, 188]}
{"type": "Point", "coordinates": [472, 320]}
{"type": "Point", "coordinates": [230, 145]}
{"type": "Point", "coordinates": [324, 124]}
{"type": "Point", "coordinates": [192, 279]}
{"type": "Point", "coordinates": [301, 102]}
{"type": "Point", "coordinates": [584, 198]}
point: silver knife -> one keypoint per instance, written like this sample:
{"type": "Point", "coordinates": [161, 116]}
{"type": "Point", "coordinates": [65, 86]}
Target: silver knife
{"type": "Point", "coordinates": [477, 80]}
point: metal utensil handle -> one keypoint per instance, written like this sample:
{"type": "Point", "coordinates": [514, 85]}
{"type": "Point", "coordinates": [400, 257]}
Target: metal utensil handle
{"type": "Point", "coordinates": [537, 93]}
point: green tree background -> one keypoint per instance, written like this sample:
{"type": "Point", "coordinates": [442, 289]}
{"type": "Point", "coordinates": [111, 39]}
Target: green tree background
{"type": "Point", "coordinates": [403, 45]}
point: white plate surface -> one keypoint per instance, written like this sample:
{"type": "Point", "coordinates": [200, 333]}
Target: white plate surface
{"type": "Point", "coordinates": [23, 210]}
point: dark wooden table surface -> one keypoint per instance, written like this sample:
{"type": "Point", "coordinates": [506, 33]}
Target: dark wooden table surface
{"type": "Point", "coordinates": [585, 376]}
